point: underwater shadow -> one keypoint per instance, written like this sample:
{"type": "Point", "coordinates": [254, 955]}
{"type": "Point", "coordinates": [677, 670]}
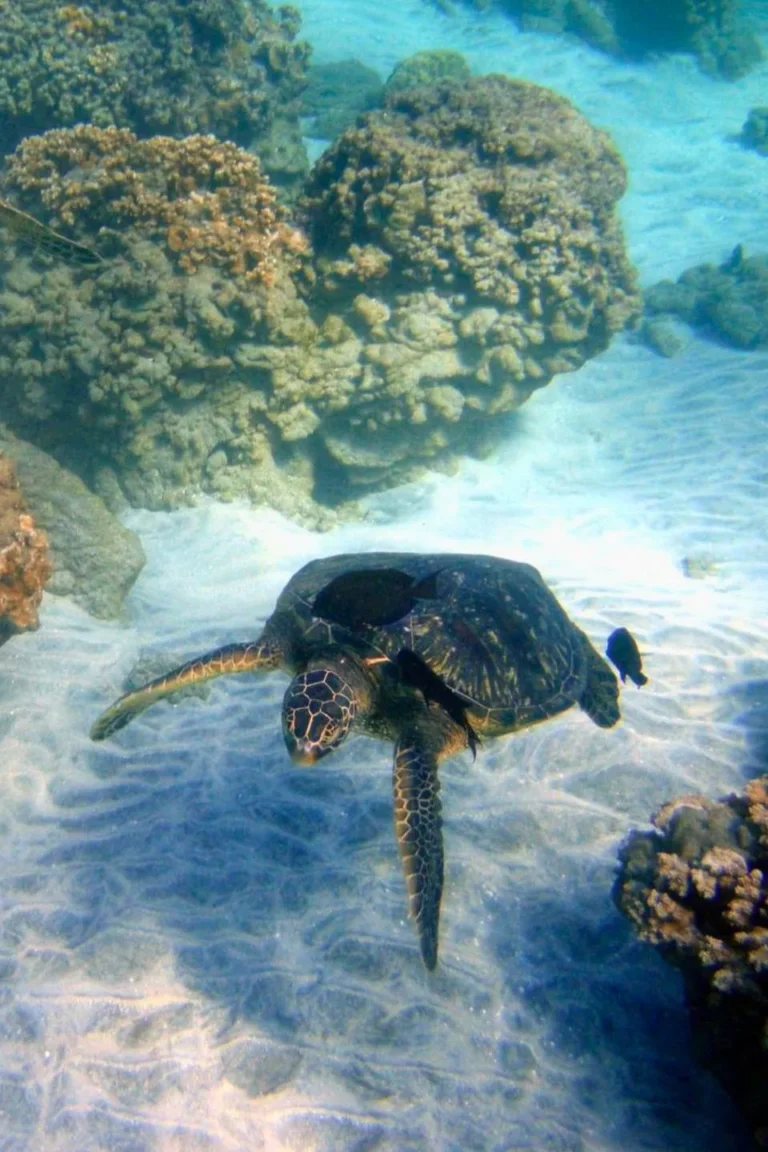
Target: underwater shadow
{"type": "Point", "coordinates": [749, 701]}
{"type": "Point", "coordinates": [246, 904]}
{"type": "Point", "coordinates": [611, 1018]}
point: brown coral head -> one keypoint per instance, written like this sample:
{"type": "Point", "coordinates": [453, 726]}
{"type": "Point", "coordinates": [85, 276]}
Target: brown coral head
{"type": "Point", "coordinates": [24, 570]}
{"type": "Point", "coordinates": [206, 198]}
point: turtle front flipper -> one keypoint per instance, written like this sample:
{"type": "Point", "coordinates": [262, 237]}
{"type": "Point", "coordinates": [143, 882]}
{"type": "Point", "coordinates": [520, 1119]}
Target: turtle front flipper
{"type": "Point", "coordinates": [418, 827]}
{"type": "Point", "coordinates": [254, 657]}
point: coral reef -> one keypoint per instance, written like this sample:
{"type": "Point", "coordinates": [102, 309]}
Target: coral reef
{"type": "Point", "coordinates": [468, 250]}
{"type": "Point", "coordinates": [729, 301]}
{"type": "Point", "coordinates": [127, 370]}
{"type": "Point", "coordinates": [713, 30]}
{"type": "Point", "coordinates": [428, 67]}
{"type": "Point", "coordinates": [754, 133]}
{"type": "Point", "coordinates": [96, 559]}
{"type": "Point", "coordinates": [697, 888]}
{"type": "Point", "coordinates": [336, 94]}
{"type": "Point", "coordinates": [229, 67]}
{"type": "Point", "coordinates": [466, 237]}
{"type": "Point", "coordinates": [206, 199]}
{"type": "Point", "coordinates": [25, 566]}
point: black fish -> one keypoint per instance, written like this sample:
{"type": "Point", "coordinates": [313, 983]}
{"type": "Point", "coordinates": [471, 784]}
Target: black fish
{"type": "Point", "coordinates": [622, 651]}
{"type": "Point", "coordinates": [418, 674]}
{"type": "Point", "coordinates": [373, 596]}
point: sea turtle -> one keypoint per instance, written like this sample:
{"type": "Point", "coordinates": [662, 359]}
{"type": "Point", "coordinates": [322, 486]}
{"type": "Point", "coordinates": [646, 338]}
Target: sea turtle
{"type": "Point", "coordinates": [493, 633]}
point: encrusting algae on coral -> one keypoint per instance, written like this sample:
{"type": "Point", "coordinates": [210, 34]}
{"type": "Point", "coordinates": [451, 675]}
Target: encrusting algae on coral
{"type": "Point", "coordinates": [24, 563]}
{"type": "Point", "coordinates": [207, 198]}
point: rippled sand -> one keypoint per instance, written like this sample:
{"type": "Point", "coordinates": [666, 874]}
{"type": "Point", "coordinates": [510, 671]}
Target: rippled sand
{"type": "Point", "coordinates": [204, 947]}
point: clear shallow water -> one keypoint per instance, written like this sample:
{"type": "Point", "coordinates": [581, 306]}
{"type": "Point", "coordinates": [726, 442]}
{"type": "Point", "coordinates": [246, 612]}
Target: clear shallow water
{"type": "Point", "coordinates": [203, 947]}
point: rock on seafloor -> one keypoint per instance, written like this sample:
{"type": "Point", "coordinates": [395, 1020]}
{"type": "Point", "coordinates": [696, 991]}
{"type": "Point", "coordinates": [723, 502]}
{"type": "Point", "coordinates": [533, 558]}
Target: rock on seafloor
{"type": "Point", "coordinates": [25, 566]}
{"type": "Point", "coordinates": [95, 558]}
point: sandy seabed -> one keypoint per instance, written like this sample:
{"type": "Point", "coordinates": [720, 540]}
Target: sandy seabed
{"type": "Point", "coordinates": [203, 947]}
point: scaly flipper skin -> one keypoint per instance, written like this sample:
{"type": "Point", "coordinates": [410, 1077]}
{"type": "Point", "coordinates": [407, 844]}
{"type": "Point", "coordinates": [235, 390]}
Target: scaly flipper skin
{"type": "Point", "coordinates": [257, 656]}
{"type": "Point", "coordinates": [419, 832]}
{"type": "Point", "coordinates": [418, 821]}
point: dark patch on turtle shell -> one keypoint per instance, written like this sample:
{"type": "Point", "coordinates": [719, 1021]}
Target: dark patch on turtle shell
{"type": "Point", "coordinates": [372, 597]}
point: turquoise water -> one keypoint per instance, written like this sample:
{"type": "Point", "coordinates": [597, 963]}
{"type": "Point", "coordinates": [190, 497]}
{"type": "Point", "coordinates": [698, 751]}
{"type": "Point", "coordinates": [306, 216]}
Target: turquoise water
{"type": "Point", "coordinates": [203, 946]}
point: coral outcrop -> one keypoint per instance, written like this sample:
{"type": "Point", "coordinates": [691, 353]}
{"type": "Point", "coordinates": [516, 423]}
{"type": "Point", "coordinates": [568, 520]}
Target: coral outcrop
{"type": "Point", "coordinates": [697, 888]}
{"type": "Point", "coordinates": [127, 370]}
{"type": "Point", "coordinates": [173, 67]}
{"type": "Point", "coordinates": [428, 68]}
{"type": "Point", "coordinates": [466, 250]}
{"type": "Point", "coordinates": [754, 133]}
{"type": "Point", "coordinates": [466, 239]}
{"type": "Point", "coordinates": [728, 301]}
{"type": "Point", "coordinates": [336, 94]}
{"type": "Point", "coordinates": [715, 31]}
{"type": "Point", "coordinates": [205, 199]}
{"type": "Point", "coordinates": [25, 566]}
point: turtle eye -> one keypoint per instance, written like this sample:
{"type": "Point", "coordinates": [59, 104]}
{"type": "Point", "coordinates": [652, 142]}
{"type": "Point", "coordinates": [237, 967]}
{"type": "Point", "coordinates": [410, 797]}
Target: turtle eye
{"type": "Point", "coordinates": [318, 712]}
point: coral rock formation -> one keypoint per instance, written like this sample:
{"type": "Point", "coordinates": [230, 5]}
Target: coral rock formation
{"type": "Point", "coordinates": [128, 368]}
{"type": "Point", "coordinates": [336, 94]}
{"type": "Point", "coordinates": [713, 30]}
{"type": "Point", "coordinates": [229, 67]}
{"type": "Point", "coordinates": [467, 250]}
{"type": "Point", "coordinates": [428, 67]}
{"type": "Point", "coordinates": [24, 563]}
{"type": "Point", "coordinates": [466, 237]}
{"type": "Point", "coordinates": [697, 888]}
{"type": "Point", "coordinates": [754, 133]}
{"type": "Point", "coordinates": [729, 301]}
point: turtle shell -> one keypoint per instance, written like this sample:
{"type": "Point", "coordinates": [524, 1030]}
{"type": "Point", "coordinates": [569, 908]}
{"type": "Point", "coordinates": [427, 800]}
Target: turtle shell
{"type": "Point", "coordinates": [494, 632]}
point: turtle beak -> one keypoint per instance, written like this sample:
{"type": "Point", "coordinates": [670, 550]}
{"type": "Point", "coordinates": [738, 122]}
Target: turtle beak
{"type": "Point", "coordinates": [304, 752]}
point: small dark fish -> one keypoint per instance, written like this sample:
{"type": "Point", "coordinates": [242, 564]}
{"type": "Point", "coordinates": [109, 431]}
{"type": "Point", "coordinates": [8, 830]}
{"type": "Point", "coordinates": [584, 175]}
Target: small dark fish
{"type": "Point", "coordinates": [37, 235]}
{"type": "Point", "coordinates": [418, 674]}
{"type": "Point", "coordinates": [622, 651]}
{"type": "Point", "coordinates": [374, 596]}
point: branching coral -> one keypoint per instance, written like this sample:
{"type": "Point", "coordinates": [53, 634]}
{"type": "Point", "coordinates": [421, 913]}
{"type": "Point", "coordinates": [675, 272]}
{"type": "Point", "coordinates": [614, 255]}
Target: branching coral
{"type": "Point", "coordinates": [231, 67]}
{"type": "Point", "coordinates": [697, 888]}
{"type": "Point", "coordinates": [206, 198]}
{"type": "Point", "coordinates": [24, 563]}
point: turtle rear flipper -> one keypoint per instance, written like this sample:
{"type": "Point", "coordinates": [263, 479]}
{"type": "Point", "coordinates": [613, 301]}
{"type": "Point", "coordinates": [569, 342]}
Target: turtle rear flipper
{"type": "Point", "coordinates": [233, 658]}
{"type": "Point", "coordinates": [600, 699]}
{"type": "Point", "coordinates": [418, 827]}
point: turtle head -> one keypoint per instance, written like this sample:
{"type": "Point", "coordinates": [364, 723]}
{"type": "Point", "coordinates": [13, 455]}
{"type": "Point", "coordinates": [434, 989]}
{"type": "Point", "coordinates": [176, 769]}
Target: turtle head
{"type": "Point", "coordinates": [321, 705]}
